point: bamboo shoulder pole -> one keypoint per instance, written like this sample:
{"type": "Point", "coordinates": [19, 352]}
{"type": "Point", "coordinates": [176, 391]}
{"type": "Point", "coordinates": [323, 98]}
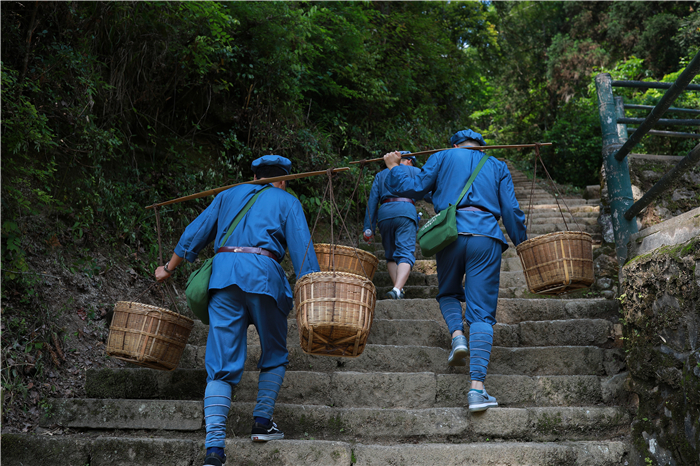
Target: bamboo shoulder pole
{"type": "Point", "coordinates": [433, 151]}
{"type": "Point", "coordinates": [274, 179]}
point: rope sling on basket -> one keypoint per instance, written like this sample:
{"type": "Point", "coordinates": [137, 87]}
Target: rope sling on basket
{"type": "Point", "coordinates": [334, 308]}
{"type": "Point", "coordinates": [557, 262]}
{"type": "Point", "coordinates": [147, 335]}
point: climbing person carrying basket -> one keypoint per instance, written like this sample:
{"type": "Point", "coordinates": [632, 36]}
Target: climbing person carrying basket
{"type": "Point", "coordinates": [479, 191]}
{"type": "Point", "coordinates": [398, 224]}
{"type": "Point", "coordinates": [247, 286]}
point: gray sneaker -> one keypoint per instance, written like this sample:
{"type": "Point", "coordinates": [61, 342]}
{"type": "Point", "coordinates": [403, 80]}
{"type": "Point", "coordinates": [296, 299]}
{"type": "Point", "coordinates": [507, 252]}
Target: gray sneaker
{"type": "Point", "coordinates": [459, 351]}
{"type": "Point", "coordinates": [394, 295]}
{"type": "Point", "coordinates": [480, 401]}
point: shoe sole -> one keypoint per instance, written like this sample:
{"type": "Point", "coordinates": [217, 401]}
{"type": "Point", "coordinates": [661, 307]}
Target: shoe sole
{"type": "Point", "coordinates": [481, 407]}
{"type": "Point", "coordinates": [266, 437]}
{"type": "Point", "coordinates": [458, 357]}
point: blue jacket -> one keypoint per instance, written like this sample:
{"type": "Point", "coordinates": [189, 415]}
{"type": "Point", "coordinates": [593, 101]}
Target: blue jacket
{"type": "Point", "coordinates": [379, 193]}
{"type": "Point", "coordinates": [445, 174]}
{"type": "Point", "coordinates": [275, 222]}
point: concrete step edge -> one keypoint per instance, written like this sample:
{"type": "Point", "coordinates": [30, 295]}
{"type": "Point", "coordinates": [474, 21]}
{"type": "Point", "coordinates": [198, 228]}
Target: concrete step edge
{"type": "Point", "coordinates": [71, 450]}
{"type": "Point", "coordinates": [331, 423]}
{"type": "Point", "coordinates": [365, 389]}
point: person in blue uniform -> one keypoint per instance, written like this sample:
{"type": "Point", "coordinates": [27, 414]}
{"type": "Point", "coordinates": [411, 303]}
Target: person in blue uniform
{"type": "Point", "coordinates": [398, 223]}
{"type": "Point", "coordinates": [475, 256]}
{"type": "Point", "coordinates": [247, 286]}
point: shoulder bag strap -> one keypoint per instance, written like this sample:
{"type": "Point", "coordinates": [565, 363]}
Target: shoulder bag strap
{"type": "Point", "coordinates": [240, 215]}
{"type": "Point", "coordinates": [471, 178]}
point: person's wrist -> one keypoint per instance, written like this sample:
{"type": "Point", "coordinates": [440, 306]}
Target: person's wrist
{"type": "Point", "coordinates": [165, 267]}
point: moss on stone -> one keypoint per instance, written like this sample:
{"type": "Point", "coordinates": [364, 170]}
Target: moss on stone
{"type": "Point", "coordinates": [660, 312]}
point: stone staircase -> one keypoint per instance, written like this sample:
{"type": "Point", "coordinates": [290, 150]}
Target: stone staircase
{"type": "Point", "coordinates": [556, 370]}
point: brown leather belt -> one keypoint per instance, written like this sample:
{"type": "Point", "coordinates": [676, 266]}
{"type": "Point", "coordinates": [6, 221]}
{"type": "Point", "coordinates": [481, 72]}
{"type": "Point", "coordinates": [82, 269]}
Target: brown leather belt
{"type": "Point", "coordinates": [246, 250]}
{"type": "Point", "coordinates": [399, 199]}
{"type": "Point", "coordinates": [472, 208]}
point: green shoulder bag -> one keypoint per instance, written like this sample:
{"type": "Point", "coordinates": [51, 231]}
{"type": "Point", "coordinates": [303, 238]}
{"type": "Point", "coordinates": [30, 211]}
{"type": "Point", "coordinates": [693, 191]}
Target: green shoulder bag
{"type": "Point", "coordinates": [197, 290]}
{"type": "Point", "coordinates": [441, 230]}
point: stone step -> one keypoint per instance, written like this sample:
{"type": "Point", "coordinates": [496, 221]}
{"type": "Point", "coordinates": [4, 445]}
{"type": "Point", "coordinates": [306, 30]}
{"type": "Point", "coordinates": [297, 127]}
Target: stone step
{"type": "Point", "coordinates": [549, 200]}
{"type": "Point", "coordinates": [508, 311]}
{"type": "Point", "coordinates": [332, 423]}
{"type": "Point", "coordinates": [503, 454]}
{"type": "Point", "coordinates": [411, 292]}
{"type": "Point", "coordinates": [511, 264]}
{"type": "Point", "coordinates": [547, 218]}
{"type": "Point", "coordinates": [106, 450]}
{"type": "Point", "coordinates": [545, 228]}
{"type": "Point", "coordinates": [582, 207]}
{"type": "Point", "coordinates": [383, 280]}
{"type": "Point", "coordinates": [361, 389]}
{"type": "Point", "coordinates": [509, 281]}
{"type": "Point", "coordinates": [530, 361]}
{"type": "Point", "coordinates": [421, 332]}
{"type": "Point", "coordinates": [576, 332]}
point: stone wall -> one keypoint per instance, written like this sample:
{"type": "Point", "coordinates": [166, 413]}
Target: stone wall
{"type": "Point", "coordinates": [646, 170]}
{"type": "Point", "coordinates": [660, 303]}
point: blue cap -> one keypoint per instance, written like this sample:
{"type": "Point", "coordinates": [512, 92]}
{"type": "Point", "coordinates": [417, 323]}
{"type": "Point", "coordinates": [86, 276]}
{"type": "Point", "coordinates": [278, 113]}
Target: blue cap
{"type": "Point", "coordinates": [274, 160]}
{"type": "Point", "coordinates": [461, 136]}
{"type": "Point", "coordinates": [411, 158]}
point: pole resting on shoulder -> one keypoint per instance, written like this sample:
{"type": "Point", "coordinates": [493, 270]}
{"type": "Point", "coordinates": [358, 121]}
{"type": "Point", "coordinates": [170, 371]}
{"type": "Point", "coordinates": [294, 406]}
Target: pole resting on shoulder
{"type": "Point", "coordinates": [273, 179]}
{"type": "Point", "coordinates": [433, 151]}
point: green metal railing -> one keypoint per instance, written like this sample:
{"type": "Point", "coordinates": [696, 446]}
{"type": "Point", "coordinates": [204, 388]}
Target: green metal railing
{"type": "Point", "coordinates": [617, 145]}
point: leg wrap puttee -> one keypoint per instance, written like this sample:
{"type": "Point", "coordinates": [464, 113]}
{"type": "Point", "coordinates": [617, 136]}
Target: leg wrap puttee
{"type": "Point", "coordinates": [269, 384]}
{"type": "Point", "coordinates": [451, 310]}
{"type": "Point", "coordinates": [217, 402]}
{"type": "Point", "coordinates": [480, 344]}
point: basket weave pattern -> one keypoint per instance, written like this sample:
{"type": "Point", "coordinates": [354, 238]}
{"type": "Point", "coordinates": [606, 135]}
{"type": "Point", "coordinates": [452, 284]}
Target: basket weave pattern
{"type": "Point", "coordinates": [558, 262]}
{"type": "Point", "coordinates": [334, 312]}
{"type": "Point", "coordinates": [147, 335]}
{"type": "Point", "coordinates": [334, 257]}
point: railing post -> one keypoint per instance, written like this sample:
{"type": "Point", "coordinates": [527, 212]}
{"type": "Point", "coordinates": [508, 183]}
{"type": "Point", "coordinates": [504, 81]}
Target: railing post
{"type": "Point", "coordinates": [620, 113]}
{"type": "Point", "coordinates": [616, 172]}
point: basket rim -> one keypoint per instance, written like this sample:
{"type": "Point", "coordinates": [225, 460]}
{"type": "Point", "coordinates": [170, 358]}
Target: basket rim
{"type": "Point", "coordinates": [329, 273]}
{"type": "Point", "coordinates": [343, 248]}
{"type": "Point", "coordinates": [551, 237]}
{"type": "Point", "coordinates": [152, 308]}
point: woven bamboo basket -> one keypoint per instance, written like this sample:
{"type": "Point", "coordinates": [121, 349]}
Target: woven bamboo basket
{"type": "Point", "coordinates": [334, 257]}
{"type": "Point", "coordinates": [558, 262]}
{"type": "Point", "coordinates": [334, 313]}
{"type": "Point", "coordinates": [147, 335]}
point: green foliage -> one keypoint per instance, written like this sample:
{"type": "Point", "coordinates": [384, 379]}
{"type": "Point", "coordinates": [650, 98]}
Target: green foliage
{"type": "Point", "coordinates": [577, 142]}
{"type": "Point", "coordinates": [112, 106]}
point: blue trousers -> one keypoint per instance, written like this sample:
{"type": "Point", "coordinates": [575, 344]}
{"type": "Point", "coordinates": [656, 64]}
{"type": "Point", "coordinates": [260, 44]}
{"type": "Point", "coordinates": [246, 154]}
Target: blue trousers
{"type": "Point", "coordinates": [477, 260]}
{"type": "Point", "coordinates": [399, 239]}
{"type": "Point", "coordinates": [231, 311]}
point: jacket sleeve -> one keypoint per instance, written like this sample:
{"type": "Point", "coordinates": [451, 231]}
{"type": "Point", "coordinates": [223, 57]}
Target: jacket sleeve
{"type": "Point", "coordinates": [200, 232]}
{"type": "Point", "coordinates": [414, 184]}
{"type": "Point", "coordinates": [513, 218]}
{"type": "Point", "coordinates": [298, 237]}
{"type": "Point", "coordinates": [372, 206]}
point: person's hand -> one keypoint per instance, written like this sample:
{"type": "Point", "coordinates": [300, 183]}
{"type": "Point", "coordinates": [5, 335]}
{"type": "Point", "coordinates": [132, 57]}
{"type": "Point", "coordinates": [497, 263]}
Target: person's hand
{"type": "Point", "coordinates": [367, 236]}
{"type": "Point", "coordinates": [392, 159]}
{"type": "Point", "coordinates": [161, 274]}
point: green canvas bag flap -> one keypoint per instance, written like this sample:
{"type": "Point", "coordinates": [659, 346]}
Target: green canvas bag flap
{"type": "Point", "coordinates": [197, 290]}
{"type": "Point", "coordinates": [441, 230]}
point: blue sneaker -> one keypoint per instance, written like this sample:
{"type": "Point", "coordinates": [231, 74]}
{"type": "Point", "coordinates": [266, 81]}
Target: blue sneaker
{"type": "Point", "coordinates": [480, 401]}
{"type": "Point", "coordinates": [459, 351]}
